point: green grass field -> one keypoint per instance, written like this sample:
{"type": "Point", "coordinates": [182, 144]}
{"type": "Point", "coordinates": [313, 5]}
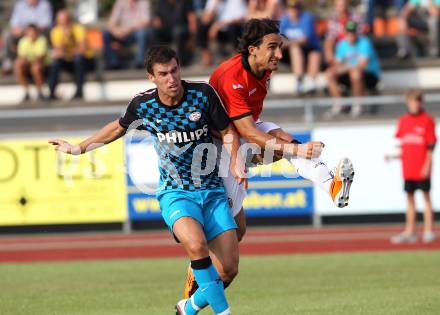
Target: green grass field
{"type": "Point", "coordinates": [382, 283]}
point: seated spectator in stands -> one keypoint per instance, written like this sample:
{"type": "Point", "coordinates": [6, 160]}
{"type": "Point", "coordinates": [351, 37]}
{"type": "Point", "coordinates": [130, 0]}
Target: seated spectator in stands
{"type": "Point", "coordinates": [175, 21]}
{"type": "Point", "coordinates": [32, 53]}
{"type": "Point", "coordinates": [304, 44]}
{"type": "Point", "coordinates": [24, 13]}
{"type": "Point", "coordinates": [356, 66]}
{"type": "Point", "coordinates": [336, 28]}
{"type": "Point", "coordinates": [373, 5]}
{"type": "Point", "coordinates": [69, 53]}
{"type": "Point", "coordinates": [424, 17]}
{"type": "Point", "coordinates": [222, 20]}
{"type": "Point", "coordinates": [129, 23]}
{"type": "Point", "coordinates": [259, 9]}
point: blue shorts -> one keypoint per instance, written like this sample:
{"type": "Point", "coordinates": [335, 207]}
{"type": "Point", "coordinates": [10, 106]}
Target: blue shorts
{"type": "Point", "coordinates": [209, 207]}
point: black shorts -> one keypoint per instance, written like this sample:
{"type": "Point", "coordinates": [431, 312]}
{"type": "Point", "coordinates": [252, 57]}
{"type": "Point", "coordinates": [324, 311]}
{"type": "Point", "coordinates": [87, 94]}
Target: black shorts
{"type": "Point", "coordinates": [412, 185]}
{"type": "Point", "coordinates": [370, 80]}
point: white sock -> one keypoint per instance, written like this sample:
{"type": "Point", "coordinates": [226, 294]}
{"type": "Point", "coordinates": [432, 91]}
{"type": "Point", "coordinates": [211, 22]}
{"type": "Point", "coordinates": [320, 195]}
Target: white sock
{"type": "Point", "coordinates": [315, 170]}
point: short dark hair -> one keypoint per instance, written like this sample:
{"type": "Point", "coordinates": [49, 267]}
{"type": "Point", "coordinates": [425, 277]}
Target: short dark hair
{"type": "Point", "coordinates": [253, 32]}
{"type": "Point", "coordinates": [414, 94]}
{"type": "Point", "coordinates": [33, 26]}
{"type": "Point", "coordinates": [159, 54]}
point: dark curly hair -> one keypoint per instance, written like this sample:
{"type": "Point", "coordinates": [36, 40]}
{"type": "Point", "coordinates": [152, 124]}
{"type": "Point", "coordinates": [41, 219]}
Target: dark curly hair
{"type": "Point", "coordinates": [253, 32]}
{"type": "Point", "coordinates": [159, 54]}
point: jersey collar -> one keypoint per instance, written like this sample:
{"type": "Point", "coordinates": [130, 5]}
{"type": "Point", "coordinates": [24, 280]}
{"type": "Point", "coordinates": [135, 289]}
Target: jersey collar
{"type": "Point", "coordinates": [247, 66]}
{"type": "Point", "coordinates": [183, 99]}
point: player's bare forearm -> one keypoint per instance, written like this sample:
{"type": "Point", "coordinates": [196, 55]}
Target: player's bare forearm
{"type": "Point", "coordinates": [247, 129]}
{"type": "Point", "coordinates": [109, 133]}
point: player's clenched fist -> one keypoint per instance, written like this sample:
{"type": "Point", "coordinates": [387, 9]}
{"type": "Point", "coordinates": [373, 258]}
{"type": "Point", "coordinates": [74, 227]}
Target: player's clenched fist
{"type": "Point", "coordinates": [66, 147]}
{"type": "Point", "coordinates": [310, 149]}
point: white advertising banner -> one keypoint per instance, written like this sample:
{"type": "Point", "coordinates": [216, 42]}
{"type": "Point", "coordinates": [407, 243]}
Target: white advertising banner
{"type": "Point", "coordinates": [378, 185]}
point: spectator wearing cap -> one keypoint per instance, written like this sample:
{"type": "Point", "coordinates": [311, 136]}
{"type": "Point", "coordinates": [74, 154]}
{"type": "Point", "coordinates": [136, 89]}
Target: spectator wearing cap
{"type": "Point", "coordinates": [422, 15]}
{"type": "Point", "coordinates": [128, 23]}
{"type": "Point", "coordinates": [356, 66]}
{"type": "Point", "coordinates": [32, 53]}
{"type": "Point", "coordinates": [336, 28]}
{"type": "Point", "coordinates": [304, 45]}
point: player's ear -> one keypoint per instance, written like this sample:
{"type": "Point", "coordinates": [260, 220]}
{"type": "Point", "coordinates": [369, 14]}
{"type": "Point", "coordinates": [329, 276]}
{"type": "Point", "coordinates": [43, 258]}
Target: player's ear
{"type": "Point", "coordinates": [252, 50]}
{"type": "Point", "coordinates": [150, 77]}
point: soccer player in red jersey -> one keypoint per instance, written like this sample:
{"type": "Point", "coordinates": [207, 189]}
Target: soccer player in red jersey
{"type": "Point", "coordinates": [242, 83]}
{"type": "Point", "coordinates": [416, 132]}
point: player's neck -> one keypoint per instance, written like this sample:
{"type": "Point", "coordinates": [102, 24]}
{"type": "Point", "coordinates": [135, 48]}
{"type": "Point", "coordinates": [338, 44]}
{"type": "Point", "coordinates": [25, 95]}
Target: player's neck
{"type": "Point", "coordinates": [256, 69]}
{"type": "Point", "coordinates": [168, 100]}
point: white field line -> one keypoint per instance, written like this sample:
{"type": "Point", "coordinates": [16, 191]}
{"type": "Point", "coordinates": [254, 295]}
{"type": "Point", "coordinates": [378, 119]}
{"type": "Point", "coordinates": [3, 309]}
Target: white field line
{"type": "Point", "coordinates": [169, 242]}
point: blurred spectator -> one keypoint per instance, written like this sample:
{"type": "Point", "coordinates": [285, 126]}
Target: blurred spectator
{"type": "Point", "coordinates": [69, 53]}
{"type": "Point", "coordinates": [336, 28]}
{"type": "Point", "coordinates": [175, 21]}
{"type": "Point", "coordinates": [373, 5]}
{"type": "Point", "coordinates": [128, 23]}
{"type": "Point", "coordinates": [222, 21]}
{"type": "Point", "coordinates": [24, 13]}
{"type": "Point", "coordinates": [424, 17]}
{"type": "Point", "coordinates": [304, 44]}
{"type": "Point", "coordinates": [416, 132]}
{"type": "Point", "coordinates": [356, 66]}
{"type": "Point", "coordinates": [32, 53]}
{"type": "Point", "coordinates": [259, 9]}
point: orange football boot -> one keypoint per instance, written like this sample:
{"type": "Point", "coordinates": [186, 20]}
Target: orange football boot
{"type": "Point", "coordinates": [341, 184]}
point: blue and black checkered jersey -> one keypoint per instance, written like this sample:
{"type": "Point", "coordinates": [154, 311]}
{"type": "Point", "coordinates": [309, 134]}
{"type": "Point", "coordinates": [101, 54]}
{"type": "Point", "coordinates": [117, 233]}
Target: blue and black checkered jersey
{"type": "Point", "coordinates": [182, 134]}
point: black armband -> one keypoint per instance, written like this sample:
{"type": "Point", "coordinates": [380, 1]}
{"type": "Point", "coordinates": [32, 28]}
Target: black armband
{"type": "Point", "coordinates": [431, 146]}
{"type": "Point", "coordinates": [294, 141]}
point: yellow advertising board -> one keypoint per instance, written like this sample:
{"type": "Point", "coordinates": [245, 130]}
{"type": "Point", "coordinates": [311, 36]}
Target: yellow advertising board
{"type": "Point", "coordinates": [41, 186]}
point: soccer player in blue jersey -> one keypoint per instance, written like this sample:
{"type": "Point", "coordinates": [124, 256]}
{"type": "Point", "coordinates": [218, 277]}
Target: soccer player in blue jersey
{"type": "Point", "coordinates": [181, 116]}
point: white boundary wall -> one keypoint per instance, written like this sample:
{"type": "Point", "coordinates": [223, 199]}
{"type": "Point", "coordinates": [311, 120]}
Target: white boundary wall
{"type": "Point", "coordinates": [378, 185]}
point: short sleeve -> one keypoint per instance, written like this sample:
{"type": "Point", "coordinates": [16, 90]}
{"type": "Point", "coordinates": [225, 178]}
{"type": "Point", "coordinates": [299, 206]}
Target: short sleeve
{"type": "Point", "coordinates": [339, 53]}
{"type": "Point", "coordinates": [283, 25]}
{"type": "Point", "coordinates": [365, 49]}
{"type": "Point", "coordinates": [218, 118]}
{"type": "Point", "coordinates": [22, 47]}
{"type": "Point", "coordinates": [79, 32]}
{"type": "Point", "coordinates": [41, 47]}
{"type": "Point", "coordinates": [130, 115]}
{"type": "Point", "coordinates": [399, 131]}
{"type": "Point", "coordinates": [431, 137]}
{"type": "Point", "coordinates": [233, 96]}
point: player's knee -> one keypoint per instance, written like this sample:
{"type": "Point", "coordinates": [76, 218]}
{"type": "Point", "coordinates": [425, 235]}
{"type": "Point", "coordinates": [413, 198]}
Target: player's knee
{"type": "Point", "coordinates": [197, 248]}
{"type": "Point", "coordinates": [229, 272]}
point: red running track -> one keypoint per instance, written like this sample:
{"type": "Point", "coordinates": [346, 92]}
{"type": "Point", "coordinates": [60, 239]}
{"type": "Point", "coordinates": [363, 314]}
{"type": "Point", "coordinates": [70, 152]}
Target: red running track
{"type": "Point", "coordinates": [258, 241]}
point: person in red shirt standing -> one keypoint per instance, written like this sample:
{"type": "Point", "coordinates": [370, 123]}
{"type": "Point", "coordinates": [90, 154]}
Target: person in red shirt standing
{"type": "Point", "coordinates": [416, 132]}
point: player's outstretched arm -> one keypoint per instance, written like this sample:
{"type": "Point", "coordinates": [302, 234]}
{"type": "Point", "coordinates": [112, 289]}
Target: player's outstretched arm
{"type": "Point", "coordinates": [231, 139]}
{"type": "Point", "coordinates": [109, 133]}
{"type": "Point", "coordinates": [247, 129]}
